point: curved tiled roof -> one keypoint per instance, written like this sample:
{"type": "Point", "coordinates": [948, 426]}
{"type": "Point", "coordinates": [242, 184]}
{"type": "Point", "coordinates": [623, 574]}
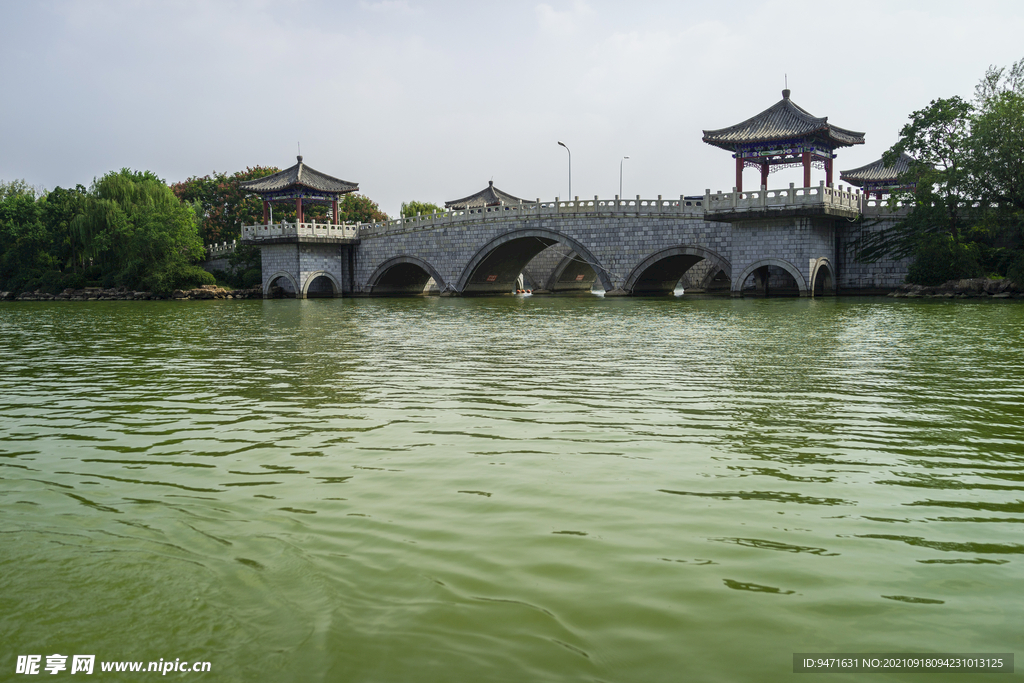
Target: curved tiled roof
{"type": "Point", "coordinates": [299, 175]}
{"type": "Point", "coordinates": [489, 196]}
{"type": "Point", "coordinates": [877, 172]}
{"type": "Point", "coordinates": [783, 121]}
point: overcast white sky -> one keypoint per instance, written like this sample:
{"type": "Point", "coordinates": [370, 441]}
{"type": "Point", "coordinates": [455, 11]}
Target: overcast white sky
{"type": "Point", "coordinates": [427, 101]}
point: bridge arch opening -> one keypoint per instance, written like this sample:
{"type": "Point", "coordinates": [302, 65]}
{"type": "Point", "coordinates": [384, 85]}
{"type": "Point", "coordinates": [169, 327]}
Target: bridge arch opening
{"type": "Point", "coordinates": [321, 285]}
{"type": "Point", "coordinates": [496, 267]}
{"type": "Point", "coordinates": [693, 267]}
{"type": "Point", "coordinates": [559, 269]}
{"type": "Point", "coordinates": [404, 276]}
{"type": "Point", "coordinates": [770, 277]}
{"type": "Point", "coordinates": [280, 285]}
{"type": "Point", "coordinates": [823, 279]}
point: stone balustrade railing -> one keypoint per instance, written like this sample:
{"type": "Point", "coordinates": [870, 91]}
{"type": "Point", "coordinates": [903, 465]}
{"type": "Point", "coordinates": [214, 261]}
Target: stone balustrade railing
{"type": "Point", "coordinates": [690, 206]}
{"type": "Point", "coordinates": [286, 229]}
{"type": "Point", "coordinates": [882, 207]}
{"type": "Point", "coordinates": [694, 206]}
{"type": "Point", "coordinates": [787, 198]}
{"type": "Point", "coordinates": [221, 249]}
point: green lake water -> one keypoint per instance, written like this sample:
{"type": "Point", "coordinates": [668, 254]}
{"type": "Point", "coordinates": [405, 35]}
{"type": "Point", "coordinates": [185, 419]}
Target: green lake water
{"type": "Point", "coordinates": [510, 489]}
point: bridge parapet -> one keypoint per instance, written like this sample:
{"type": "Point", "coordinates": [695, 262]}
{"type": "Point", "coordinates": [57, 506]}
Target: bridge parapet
{"type": "Point", "coordinates": [684, 206]}
{"type": "Point", "coordinates": [734, 205]}
{"type": "Point", "coordinates": [257, 233]}
{"type": "Point", "coordinates": [880, 208]}
{"type": "Point", "coordinates": [220, 249]}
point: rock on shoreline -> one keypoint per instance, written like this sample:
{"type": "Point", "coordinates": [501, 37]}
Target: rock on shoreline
{"type": "Point", "coordinates": [125, 294]}
{"type": "Point", "coordinates": [973, 288]}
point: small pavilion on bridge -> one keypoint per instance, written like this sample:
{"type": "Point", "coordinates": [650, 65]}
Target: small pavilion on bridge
{"type": "Point", "coordinates": [878, 179]}
{"type": "Point", "coordinates": [489, 196]}
{"type": "Point", "coordinates": [783, 136]}
{"type": "Point", "coordinates": [302, 185]}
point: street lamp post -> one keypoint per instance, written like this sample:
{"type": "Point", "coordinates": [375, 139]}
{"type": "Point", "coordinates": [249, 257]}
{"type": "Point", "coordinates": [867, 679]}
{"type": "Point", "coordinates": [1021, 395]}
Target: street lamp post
{"type": "Point", "coordinates": [620, 176]}
{"type": "Point", "coordinates": [570, 166]}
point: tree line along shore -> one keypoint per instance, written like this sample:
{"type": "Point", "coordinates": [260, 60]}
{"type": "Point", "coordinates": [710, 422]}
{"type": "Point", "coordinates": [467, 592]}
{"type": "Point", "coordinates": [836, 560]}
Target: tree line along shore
{"type": "Point", "coordinates": [132, 235]}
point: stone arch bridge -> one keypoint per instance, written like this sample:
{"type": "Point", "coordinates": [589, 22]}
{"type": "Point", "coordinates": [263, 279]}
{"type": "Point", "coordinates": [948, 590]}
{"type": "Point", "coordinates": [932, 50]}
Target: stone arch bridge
{"type": "Point", "coordinates": [780, 241]}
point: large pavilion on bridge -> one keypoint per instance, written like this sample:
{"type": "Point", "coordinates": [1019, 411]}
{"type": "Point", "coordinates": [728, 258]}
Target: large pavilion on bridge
{"type": "Point", "coordinates": [489, 196]}
{"type": "Point", "coordinates": [783, 136]}
{"type": "Point", "coordinates": [300, 184]}
{"type": "Point", "coordinates": [878, 179]}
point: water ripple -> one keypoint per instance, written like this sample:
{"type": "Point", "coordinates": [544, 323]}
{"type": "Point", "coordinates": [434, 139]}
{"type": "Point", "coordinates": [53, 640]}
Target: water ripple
{"type": "Point", "coordinates": [472, 489]}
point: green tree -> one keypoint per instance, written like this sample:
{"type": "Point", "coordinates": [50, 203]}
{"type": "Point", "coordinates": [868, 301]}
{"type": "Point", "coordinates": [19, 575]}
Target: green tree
{"type": "Point", "coordinates": [410, 209]}
{"type": "Point", "coordinates": [357, 208]}
{"type": "Point", "coordinates": [60, 207]}
{"type": "Point", "coordinates": [14, 188]}
{"type": "Point", "coordinates": [967, 215]}
{"type": "Point", "coordinates": [998, 137]}
{"type": "Point", "coordinates": [140, 234]}
{"type": "Point", "coordinates": [25, 242]}
{"type": "Point", "coordinates": [938, 138]}
{"type": "Point", "coordinates": [224, 206]}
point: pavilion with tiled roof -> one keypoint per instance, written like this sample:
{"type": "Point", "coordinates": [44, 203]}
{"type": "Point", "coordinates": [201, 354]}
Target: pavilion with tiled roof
{"type": "Point", "coordinates": [878, 179]}
{"type": "Point", "coordinates": [489, 196]}
{"type": "Point", "coordinates": [302, 184]}
{"type": "Point", "coordinates": [783, 136]}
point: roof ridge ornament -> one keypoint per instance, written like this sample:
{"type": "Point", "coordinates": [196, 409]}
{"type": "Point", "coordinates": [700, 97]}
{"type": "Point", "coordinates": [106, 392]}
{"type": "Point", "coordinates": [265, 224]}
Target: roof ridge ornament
{"type": "Point", "coordinates": [785, 94]}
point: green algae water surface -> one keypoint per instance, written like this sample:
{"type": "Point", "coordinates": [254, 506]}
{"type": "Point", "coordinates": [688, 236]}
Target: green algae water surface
{"type": "Point", "coordinates": [508, 489]}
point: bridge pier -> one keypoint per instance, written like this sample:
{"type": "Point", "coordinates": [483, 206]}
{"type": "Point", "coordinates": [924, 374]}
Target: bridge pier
{"type": "Point", "coordinates": [305, 270]}
{"type": "Point", "coordinates": [785, 239]}
{"type": "Point", "coordinates": [783, 255]}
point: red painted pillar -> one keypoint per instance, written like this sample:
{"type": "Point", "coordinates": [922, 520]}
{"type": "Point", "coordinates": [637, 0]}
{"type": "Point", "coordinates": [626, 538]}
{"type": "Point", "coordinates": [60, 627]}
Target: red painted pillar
{"type": "Point", "coordinates": [298, 209]}
{"type": "Point", "coordinates": [764, 174]}
{"type": "Point", "coordinates": [739, 174]}
{"type": "Point", "coordinates": [828, 172]}
{"type": "Point", "coordinates": [266, 217]}
{"type": "Point", "coordinates": [807, 169]}
{"type": "Point", "coordinates": [334, 210]}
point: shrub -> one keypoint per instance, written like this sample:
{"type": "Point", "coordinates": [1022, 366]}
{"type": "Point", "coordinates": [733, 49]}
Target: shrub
{"type": "Point", "coordinates": [51, 282]}
{"type": "Point", "coordinates": [26, 280]}
{"type": "Point", "coordinates": [252, 278]}
{"type": "Point", "coordinates": [178, 276]}
{"type": "Point", "coordinates": [1015, 271]}
{"type": "Point", "coordinates": [939, 259]}
{"type": "Point", "coordinates": [72, 281]}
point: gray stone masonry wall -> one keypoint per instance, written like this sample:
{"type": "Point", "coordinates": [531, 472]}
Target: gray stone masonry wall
{"type": "Point", "coordinates": [303, 262]}
{"type": "Point", "coordinates": [616, 244]}
{"type": "Point", "coordinates": [215, 264]}
{"type": "Point", "coordinates": [277, 258]}
{"type": "Point", "coordinates": [789, 243]}
{"type": "Point", "coordinates": [538, 272]}
{"type": "Point", "coordinates": [695, 277]}
{"type": "Point", "coordinates": [882, 276]}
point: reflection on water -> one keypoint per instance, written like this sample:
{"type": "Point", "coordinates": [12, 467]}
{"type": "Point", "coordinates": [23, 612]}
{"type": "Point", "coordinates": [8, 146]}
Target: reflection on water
{"type": "Point", "coordinates": [445, 489]}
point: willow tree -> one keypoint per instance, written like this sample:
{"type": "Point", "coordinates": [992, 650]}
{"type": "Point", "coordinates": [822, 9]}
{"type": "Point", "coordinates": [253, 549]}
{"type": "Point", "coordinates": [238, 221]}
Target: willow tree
{"type": "Point", "coordinates": [139, 233]}
{"type": "Point", "coordinates": [411, 209]}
